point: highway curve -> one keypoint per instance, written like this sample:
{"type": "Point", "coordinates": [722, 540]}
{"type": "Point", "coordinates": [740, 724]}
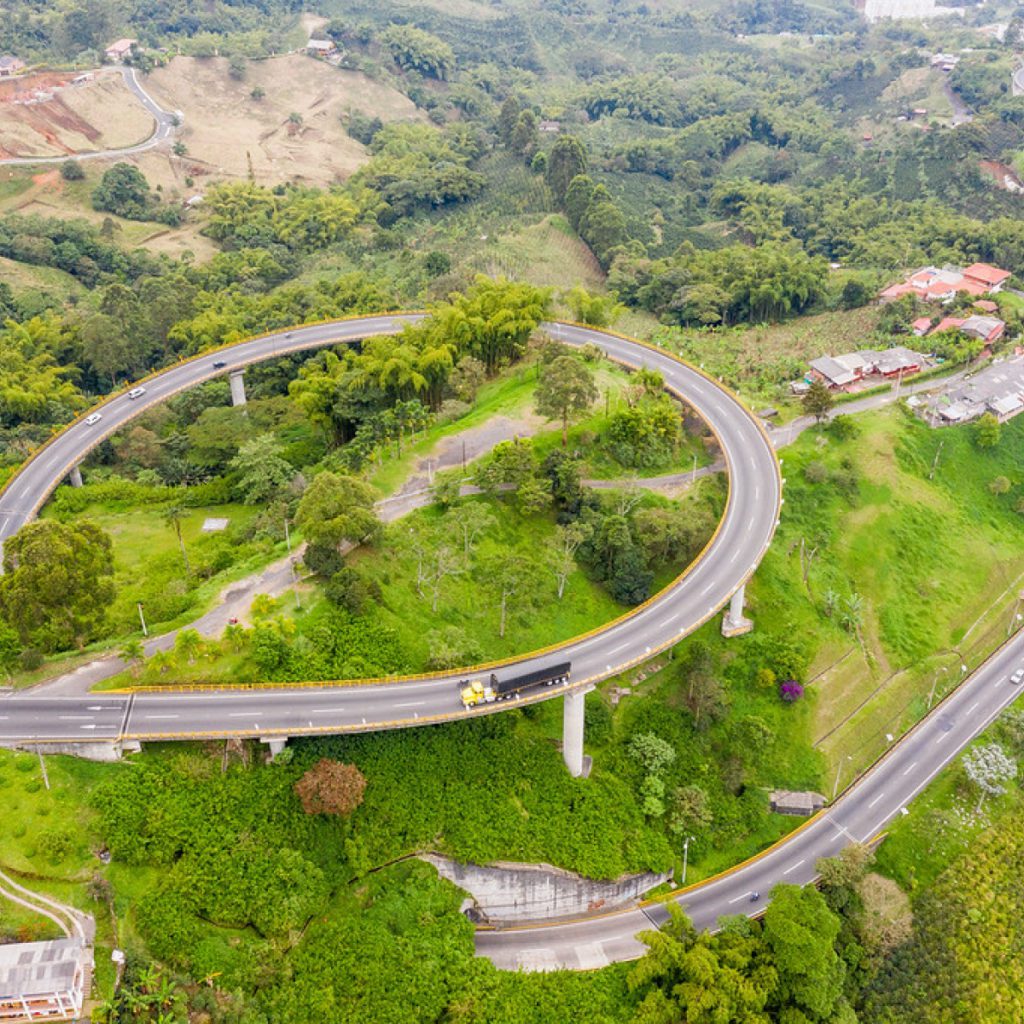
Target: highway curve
{"type": "Point", "coordinates": [735, 550]}
{"type": "Point", "coordinates": [729, 559]}
{"type": "Point", "coordinates": [163, 129]}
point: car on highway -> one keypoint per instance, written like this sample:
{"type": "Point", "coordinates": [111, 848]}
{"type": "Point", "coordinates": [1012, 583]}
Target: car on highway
{"type": "Point", "coordinates": [136, 393]}
{"type": "Point", "coordinates": [93, 418]}
{"type": "Point", "coordinates": [1017, 677]}
{"type": "Point", "coordinates": [219, 364]}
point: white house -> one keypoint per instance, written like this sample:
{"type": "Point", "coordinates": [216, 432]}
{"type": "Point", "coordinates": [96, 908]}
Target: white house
{"type": "Point", "coordinates": [42, 980]}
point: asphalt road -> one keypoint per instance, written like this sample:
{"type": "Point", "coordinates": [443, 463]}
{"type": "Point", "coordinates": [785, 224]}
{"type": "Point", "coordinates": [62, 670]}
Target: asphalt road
{"type": "Point", "coordinates": [731, 557]}
{"type": "Point", "coordinates": [746, 530]}
{"type": "Point", "coordinates": [165, 124]}
{"type": "Point", "coordinates": [860, 814]}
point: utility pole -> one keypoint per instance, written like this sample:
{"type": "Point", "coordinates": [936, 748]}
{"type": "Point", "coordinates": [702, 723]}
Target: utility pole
{"type": "Point", "coordinates": [142, 619]}
{"type": "Point", "coordinates": [839, 771]}
{"type": "Point", "coordinates": [291, 562]}
{"type": "Point", "coordinates": [686, 856]}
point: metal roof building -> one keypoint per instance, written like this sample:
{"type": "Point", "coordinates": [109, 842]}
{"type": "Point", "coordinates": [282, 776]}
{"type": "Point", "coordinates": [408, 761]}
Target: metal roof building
{"type": "Point", "coordinates": [42, 980]}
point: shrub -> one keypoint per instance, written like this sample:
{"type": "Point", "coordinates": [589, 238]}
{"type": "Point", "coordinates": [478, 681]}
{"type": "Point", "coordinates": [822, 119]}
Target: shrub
{"type": "Point", "coordinates": [790, 690]}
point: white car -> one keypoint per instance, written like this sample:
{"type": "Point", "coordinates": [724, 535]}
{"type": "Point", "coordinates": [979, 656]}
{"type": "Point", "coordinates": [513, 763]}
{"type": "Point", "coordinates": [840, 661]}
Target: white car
{"type": "Point", "coordinates": [136, 393]}
{"type": "Point", "coordinates": [1017, 677]}
{"type": "Point", "coordinates": [93, 418]}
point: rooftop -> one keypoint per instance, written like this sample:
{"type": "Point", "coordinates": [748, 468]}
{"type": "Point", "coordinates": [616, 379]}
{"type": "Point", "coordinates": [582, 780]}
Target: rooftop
{"type": "Point", "coordinates": [38, 968]}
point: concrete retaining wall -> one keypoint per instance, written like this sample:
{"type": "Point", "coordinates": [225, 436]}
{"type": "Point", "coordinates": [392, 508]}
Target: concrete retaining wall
{"type": "Point", "coordinates": [101, 750]}
{"type": "Point", "coordinates": [505, 893]}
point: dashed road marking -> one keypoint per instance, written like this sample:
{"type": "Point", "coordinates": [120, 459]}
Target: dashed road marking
{"type": "Point", "coordinates": [910, 769]}
{"type": "Point", "coordinates": [793, 867]}
{"type": "Point", "coordinates": [875, 801]}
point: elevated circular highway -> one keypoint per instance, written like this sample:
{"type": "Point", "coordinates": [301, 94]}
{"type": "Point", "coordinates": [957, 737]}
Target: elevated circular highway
{"type": "Point", "coordinates": [721, 571]}
{"type": "Point", "coordinates": [277, 712]}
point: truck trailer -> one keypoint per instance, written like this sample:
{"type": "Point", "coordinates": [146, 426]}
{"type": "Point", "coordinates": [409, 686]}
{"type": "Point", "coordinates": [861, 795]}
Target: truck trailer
{"type": "Point", "coordinates": [490, 689]}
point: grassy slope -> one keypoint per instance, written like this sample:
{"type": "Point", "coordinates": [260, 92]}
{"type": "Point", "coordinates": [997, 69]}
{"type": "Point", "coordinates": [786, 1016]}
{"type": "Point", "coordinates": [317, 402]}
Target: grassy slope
{"type": "Point", "coordinates": [927, 557]}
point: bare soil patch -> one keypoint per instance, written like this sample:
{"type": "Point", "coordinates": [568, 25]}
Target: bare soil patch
{"type": "Point", "coordinates": [230, 135]}
{"type": "Point", "coordinates": [52, 115]}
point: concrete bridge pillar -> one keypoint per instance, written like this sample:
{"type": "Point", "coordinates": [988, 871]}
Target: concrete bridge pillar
{"type": "Point", "coordinates": [237, 380]}
{"type": "Point", "coordinates": [276, 745]}
{"type": "Point", "coordinates": [572, 734]}
{"type": "Point", "coordinates": [734, 623]}
{"type": "Point", "coordinates": [75, 476]}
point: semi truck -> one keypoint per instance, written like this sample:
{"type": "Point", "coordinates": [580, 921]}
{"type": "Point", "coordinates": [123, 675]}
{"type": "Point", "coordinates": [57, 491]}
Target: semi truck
{"type": "Point", "coordinates": [491, 688]}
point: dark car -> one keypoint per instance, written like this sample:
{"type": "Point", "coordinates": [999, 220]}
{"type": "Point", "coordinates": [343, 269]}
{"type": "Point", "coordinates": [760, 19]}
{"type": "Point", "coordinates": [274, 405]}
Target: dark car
{"type": "Point", "coordinates": [219, 364]}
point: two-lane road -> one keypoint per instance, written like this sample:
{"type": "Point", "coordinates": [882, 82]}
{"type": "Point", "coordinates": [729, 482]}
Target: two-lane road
{"type": "Point", "coordinates": [863, 811]}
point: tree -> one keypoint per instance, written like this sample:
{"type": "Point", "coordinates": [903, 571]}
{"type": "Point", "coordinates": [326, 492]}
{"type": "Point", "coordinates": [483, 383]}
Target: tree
{"type": "Point", "coordinates": [336, 510]}
{"type": "Point", "coordinates": [71, 170]}
{"type": "Point", "coordinates": [187, 644]}
{"type": "Point", "coordinates": [123, 190]}
{"type": "Point", "coordinates": [134, 653]}
{"type": "Point", "coordinates": [10, 647]}
{"type": "Point", "coordinates": [653, 753]}
{"type": "Point", "coordinates": [173, 517]}
{"type": "Point", "coordinates": [690, 811]}
{"type": "Point", "coordinates": [451, 647]}
{"type": "Point", "coordinates": [469, 520]}
{"type": "Point", "coordinates": [988, 767]}
{"type": "Point", "coordinates": [504, 576]}
{"type": "Point", "coordinates": [563, 551]}
{"type": "Point", "coordinates": [331, 787]}
{"type": "Point", "coordinates": [987, 431]}
{"type": "Point", "coordinates": [533, 496]}
{"type": "Point", "coordinates": [595, 310]}
{"type": "Point", "coordinates": [818, 401]}
{"type": "Point", "coordinates": [566, 386]}
{"type": "Point", "coordinates": [263, 473]}
{"type": "Point", "coordinates": [566, 160]}
{"type": "Point", "coordinates": [800, 931]}
{"type": "Point", "coordinates": [442, 561]}
{"type": "Point", "coordinates": [57, 583]}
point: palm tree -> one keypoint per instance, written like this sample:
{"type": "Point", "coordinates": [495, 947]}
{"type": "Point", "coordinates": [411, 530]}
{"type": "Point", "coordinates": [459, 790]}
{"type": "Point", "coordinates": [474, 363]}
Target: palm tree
{"type": "Point", "coordinates": [173, 517]}
{"type": "Point", "coordinates": [134, 653]}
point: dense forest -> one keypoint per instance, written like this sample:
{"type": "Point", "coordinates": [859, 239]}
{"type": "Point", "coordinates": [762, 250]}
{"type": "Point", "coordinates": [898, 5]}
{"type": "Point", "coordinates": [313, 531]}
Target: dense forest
{"type": "Point", "coordinates": [708, 176]}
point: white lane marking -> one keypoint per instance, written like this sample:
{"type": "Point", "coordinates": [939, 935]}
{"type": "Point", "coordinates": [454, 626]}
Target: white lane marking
{"type": "Point", "coordinates": [154, 717]}
{"type": "Point", "coordinates": [325, 711]}
{"type": "Point", "coordinates": [757, 493]}
{"type": "Point", "coordinates": [3, 718]}
{"type": "Point", "coordinates": [942, 736]}
{"type": "Point", "coordinates": [875, 801]}
{"type": "Point", "coordinates": [910, 769]}
{"type": "Point", "coordinates": [710, 586]}
{"type": "Point", "coordinates": [245, 714]}
{"type": "Point", "coordinates": [745, 896]}
{"type": "Point", "coordinates": [76, 718]}
{"type": "Point", "coordinates": [973, 706]}
{"type": "Point", "coordinates": [412, 704]}
{"type": "Point", "coordinates": [620, 647]}
{"type": "Point", "coordinates": [793, 867]}
{"type": "Point", "coordinates": [670, 619]}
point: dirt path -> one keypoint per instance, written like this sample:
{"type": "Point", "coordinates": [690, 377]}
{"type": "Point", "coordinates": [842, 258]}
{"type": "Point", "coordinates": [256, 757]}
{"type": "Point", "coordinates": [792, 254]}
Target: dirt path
{"type": "Point", "coordinates": [466, 446]}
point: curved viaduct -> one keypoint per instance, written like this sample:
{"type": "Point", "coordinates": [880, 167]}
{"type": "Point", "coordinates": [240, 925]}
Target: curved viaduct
{"type": "Point", "coordinates": [273, 714]}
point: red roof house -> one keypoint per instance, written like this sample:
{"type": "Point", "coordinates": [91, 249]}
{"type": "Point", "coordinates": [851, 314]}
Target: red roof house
{"type": "Point", "coordinates": [984, 273]}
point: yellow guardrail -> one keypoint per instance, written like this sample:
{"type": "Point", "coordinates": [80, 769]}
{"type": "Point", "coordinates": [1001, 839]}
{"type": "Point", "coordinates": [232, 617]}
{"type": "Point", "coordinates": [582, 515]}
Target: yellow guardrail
{"type": "Point", "coordinates": [485, 666]}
